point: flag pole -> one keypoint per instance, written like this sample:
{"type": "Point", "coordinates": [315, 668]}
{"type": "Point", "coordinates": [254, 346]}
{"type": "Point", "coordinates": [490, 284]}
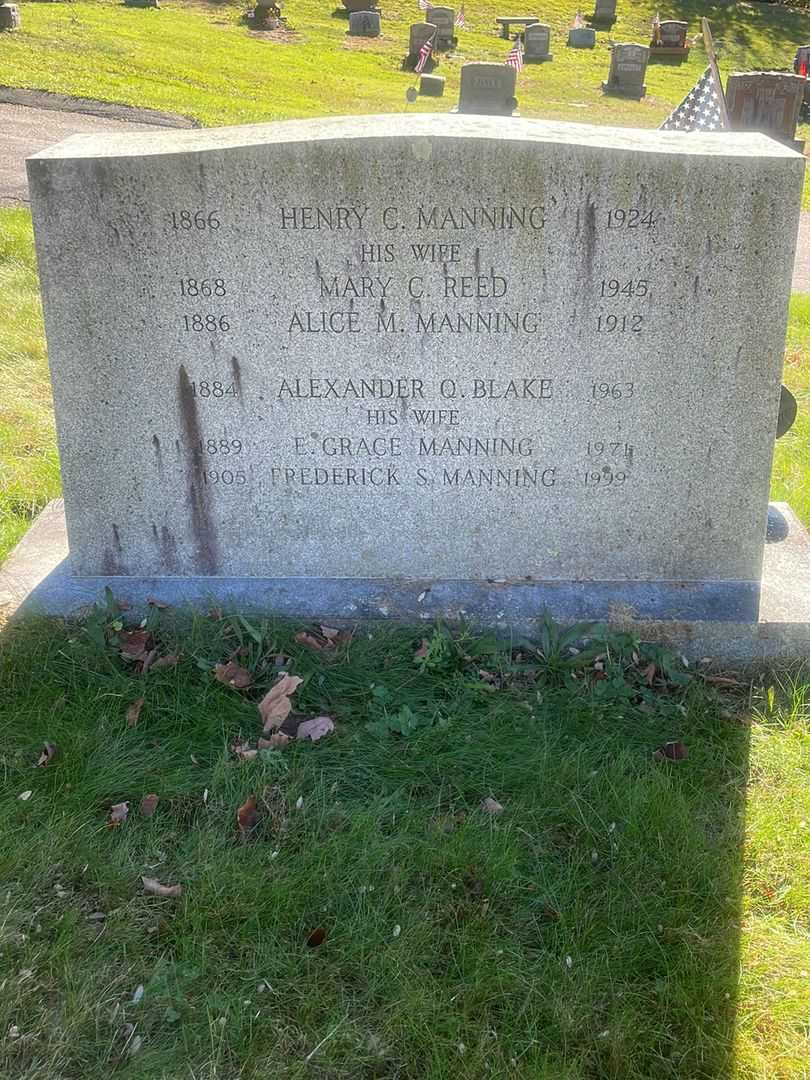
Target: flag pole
{"type": "Point", "coordinates": [708, 44]}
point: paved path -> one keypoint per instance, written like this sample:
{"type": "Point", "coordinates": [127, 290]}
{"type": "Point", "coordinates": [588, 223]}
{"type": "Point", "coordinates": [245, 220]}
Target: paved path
{"type": "Point", "coordinates": [27, 128]}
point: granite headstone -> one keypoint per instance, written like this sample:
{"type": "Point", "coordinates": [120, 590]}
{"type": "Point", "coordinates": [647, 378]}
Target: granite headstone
{"type": "Point", "coordinates": [767, 101]}
{"type": "Point", "coordinates": [444, 19]}
{"type": "Point", "coordinates": [487, 89]}
{"type": "Point", "coordinates": [537, 42]}
{"type": "Point", "coordinates": [628, 66]}
{"type": "Point", "coordinates": [364, 24]}
{"type": "Point", "coordinates": [434, 349]}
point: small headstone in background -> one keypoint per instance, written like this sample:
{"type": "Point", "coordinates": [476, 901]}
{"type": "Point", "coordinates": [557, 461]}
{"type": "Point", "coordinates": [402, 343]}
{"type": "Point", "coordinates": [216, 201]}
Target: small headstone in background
{"type": "Point", "coordinates": [360, 5]}
{"type": "Point", "coordinates": [628, 66]}
{"type": "Point", "coordinates": [267, 15]}
{"type": "Point", "coordinates": [142, 3]}
{"type": "Point", "coordinates": [419, 33]}
{"type": "Point", "coordinates": [767, 101]}
{"type": "Point", "coordinates": [671, 40]}
{"type": "Point", "coordinates": [431, 85]}
{"type": "Point", "coordinates": [604, 13]}
{"type": "Point", "coordinates": [582, 37]}
{"type": "Point", "coordinates": [9, 17]}
{"type": "Point", "coordinates": [537, 42]}
{"type": "Point", "coordinates": [801, 63]}
{"type": "Point", "coordinates": [505, 22]}
{"type": "Point", "coordinates": [364, 24]}
{"type": "Point", "coordinates": [444, 19]}
{"type": "Point", "coordinates": [487, 89]}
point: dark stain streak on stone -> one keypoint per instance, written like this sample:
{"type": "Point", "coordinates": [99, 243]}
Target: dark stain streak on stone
{"type": "Point", "coordinates": [477, 260]}
{"type": "Point", "coordinates": [589, 235]}
{"type": "Point", "coordinates": [158, 455]}
{"type": "Point", "coordinates": [117, 536]}
{"type": "Point", "coordinates": [696, 285]}
{"type": "Point", "coordinates": [207, 554]}
{"type": "Point", "coordinates": [168, 548]}
{"type": "Point", "coordinates": [236, 371]}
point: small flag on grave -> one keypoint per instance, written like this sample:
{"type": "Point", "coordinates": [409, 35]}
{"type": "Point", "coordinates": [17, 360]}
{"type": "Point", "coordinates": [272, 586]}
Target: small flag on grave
{"type": "Point", "coordinates": [701, 109]}
{"type": "Point", "coordinates": [424, 55]}
{"type": "Point", "coordinates": [656, 29]}
{"type": "Point", "coordinates": [515, 57]}
{"type": "Point", "coordinates": [423, 4]}
{"type": "Point", "coordinates": [579, 21]}
{"type": "Point", "coordinates": [460, 20]}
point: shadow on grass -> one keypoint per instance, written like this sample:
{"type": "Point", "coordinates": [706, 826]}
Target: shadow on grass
{"type": "Point", "coordinates": [589, 930]}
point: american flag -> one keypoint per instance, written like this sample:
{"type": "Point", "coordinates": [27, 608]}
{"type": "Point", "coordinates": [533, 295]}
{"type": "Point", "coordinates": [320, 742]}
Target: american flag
{"type": "Point", "coordinates": [424, 56]}
{"type": "Point", "coordinates": [515, 57]}
{"type": "Point", "coordinates": [460, 21]}
{"type": "Point", "coordinates": [579, 21]}
{"type": "Point", "coordinates": [423, 4]}
{"type": "Point", "coordinates": [701, 109]}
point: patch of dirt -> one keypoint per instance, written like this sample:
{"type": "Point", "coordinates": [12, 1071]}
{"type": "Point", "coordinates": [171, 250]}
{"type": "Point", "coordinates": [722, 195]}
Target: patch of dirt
{"type": "Point", "coordinates": [377, 44]}
{"type": "Point", "coordinates": [281, 37]}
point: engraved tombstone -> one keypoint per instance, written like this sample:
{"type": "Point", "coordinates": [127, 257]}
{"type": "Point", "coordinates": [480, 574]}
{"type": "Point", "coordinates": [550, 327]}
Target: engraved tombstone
{"type": "Point", "coordinates": [9, 17]}
{"type": "Point", "coordinates": [604, 13]}
{"type": "Point", "coordinates": [537, 42]}
{"type": "Point", "coordinates": [431, 85]}
{"type": "Point", "coordinates": [628, 66]}
{"type": "Point", "coordinates": [359, 5]}
{"type": "Point", "coordinates": [418, 35]}
{"type": "Point", "coordinates": [393, 357]}
{"type": "Point", "coordinates": [801, 62]}
{"type": "Point", "coordinates": [767, 101]}
{"type": "Point", "coordinates": [487, 89]}
{"type": "Point", "coordinates": [443, 18]}
{"type": "Point", "coordinates": [364, 24]}
{"type": "Point", "coordinates": [670, 41]}
{"type": "Point", "coordinates": [582, 37]}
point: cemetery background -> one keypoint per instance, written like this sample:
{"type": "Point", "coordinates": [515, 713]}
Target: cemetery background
{"type": "Point", "coordinates": [620, 917]}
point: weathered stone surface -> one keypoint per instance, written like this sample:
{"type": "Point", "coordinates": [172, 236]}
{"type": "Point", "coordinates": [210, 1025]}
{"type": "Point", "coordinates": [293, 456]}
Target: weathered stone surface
{"type": "Point", "coordinates": [767, 101]}
{"type": "Point", "coordinates": [418, 35]}
{"type": "Point", "coordinates": [431, 85]}
{"type": "Point", "coordinates": [581, 37]}
{"type": "Point", "coordinates": [537, 42]}
{"type": "Point", "coordinates": [443, 18]}
{"type": "Point", "coordinates": [364, 24]}
{"type": "Point", "coordinates": [487, 89]}
{"type": "Point", "coordinates": [9, 17]}
{"type": "Point", "coordinates": [628, 66]}
{"type": "Point", "coordinates": [340, 349]}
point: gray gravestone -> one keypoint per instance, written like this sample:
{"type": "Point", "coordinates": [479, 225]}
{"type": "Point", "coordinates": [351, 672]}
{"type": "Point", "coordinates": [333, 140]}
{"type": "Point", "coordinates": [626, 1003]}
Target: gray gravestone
{"type": "Point", "coordinates": [9, 17]}
{"type": "Point", "coordinates": [801, 62]}
{"type": "Point", "coordinates": [364, 24]}
{"type": "Point", "coordinates": [604, 12]}
{"type": "Point", "coordinates": [418, 35]}
{"type": "Point", "coordinates": [581, 37]}
{"type": "Point", "coordinates": [487, 89]}
{"type": "Point", "coordinates": [628, 66]}
{"type": "Point", "coordinates": [673, 34]}
{"type": "Point", "coordinates": [767, 101]}
{"type": "Point", "coordinates": [537, 42]}
{"type": "Point", "coordinates": [443, 18]}
{"type": "Point", "coordinates": [368, 350]}
{"type": "Point", "coordinates": [359, 5]}
{"type": "Point", "coordinates": [142, 3]}
{"type": "Point", "coordinates": [431, 85]}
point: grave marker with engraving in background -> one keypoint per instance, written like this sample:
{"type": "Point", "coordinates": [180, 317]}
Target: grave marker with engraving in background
{"type": "Point", "coordinates": [433, 349]}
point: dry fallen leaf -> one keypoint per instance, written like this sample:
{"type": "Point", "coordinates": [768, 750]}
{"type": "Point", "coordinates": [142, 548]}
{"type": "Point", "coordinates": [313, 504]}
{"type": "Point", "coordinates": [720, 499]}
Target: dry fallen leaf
{"type": "Point", "coordinates": [649, 674]}
{"type": "Point", "coordinates": [275, 706]}
{"type": "Point", "coordinates": [134, 712]}
{"type": "Point", "coordinates": [247, 816]}
{"type": "Point", "coordinates": [168, 661]}
{"type": "Point", "coordinates": [244, 751]}
{"type": "Point", "coordinates": [422, 651]}
{"type": "Point", "coordinates": [154, 888]}
{"type": "Point", "coordinates": [330, 633]}
{"type": "Point", "coordinates": [491, 806]}
{"type": "Point", "coordinates": [148, 805]}
{"type": "Point", "coordinates": [277, 741]}
{"type": "Point", "coordinates": [48, 750]}
{"type": "Point", "coordinates": [135, 644]}
{"type": "Point", "coordinates": [311, 642]}
{"type": "Point", "coordinates": [316, 937]}
{"type": "Point", "coordinates": [24, 796]}
{"type": "Point", "coordinates": [152, 602]}
{"type": "Point", "coordinates": [233, 674]}
{"type": "Point", "coordinates": [316, 728]}
{"type": "Point", "coordinates": [118, 813]}
{"type": "Point", "coordinates": [671, 751]}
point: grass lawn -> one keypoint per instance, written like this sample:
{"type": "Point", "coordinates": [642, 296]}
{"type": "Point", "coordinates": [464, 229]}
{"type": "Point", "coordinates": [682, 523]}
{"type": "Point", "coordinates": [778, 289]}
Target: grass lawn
{"type": "Point", "coordinates": [621, 918]}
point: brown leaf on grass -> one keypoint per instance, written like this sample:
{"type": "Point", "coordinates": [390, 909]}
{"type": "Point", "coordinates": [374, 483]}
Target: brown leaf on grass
{"type": "Point", "coordinates": [148, 805]}
{"type": "Point", "coordinates": [118, 813]}
{"type": "Point", "coordinates": [277, 741]}
{"type": "Point", "coordinates": [316, 728]}
{"type": "Point", "coordinates": [316, 937]}
{"type": "Point", "coordinates": [671, 751]}
{"type": "Point", "coordinates": [153, 602]}
{"type": "Point", "coordinates": [233, 674]}
{"type": "Point", "coordinates": [135, 644]}
{"type": "Point", "coordinates": [491, 806]}
{"type": "Point", "coordinates": [244, 751]}
{"type": "Point", "coordinates": [48, 750]}
{"type": "Point", "coordinates": [134, 712]}
{"type": "Point", "coordinates": [649, 674]}
{"type": "Point", "coordinates": [170, 660]}
{"type": "Point", "coordinates": [275, 706]}
{"type": "Point", "coordinates": [153, 887]}
{"type": "Point", "coordinates": [147, 661]}
{"type": "Point", "coordinates": [422, 651]}
{"type": "Point", "coordinates": [247, 817]}
{"type": "Point", "coordinates": [303, 638]}
{"type": "Point", "coordinates": [721, 680]}
{"type": "Point", "coordinates": [330, 633]}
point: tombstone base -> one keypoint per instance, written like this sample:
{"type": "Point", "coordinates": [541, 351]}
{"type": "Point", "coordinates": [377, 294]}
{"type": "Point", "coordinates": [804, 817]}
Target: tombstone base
{"type": "Point", "coordinates": [537, 59]}
{"type": "Point", "coordinates": [662, 52]}
{"type": "Point", "coordinates": [700, 619]}
{"type": "Point", "coordinates": [619, 91]}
